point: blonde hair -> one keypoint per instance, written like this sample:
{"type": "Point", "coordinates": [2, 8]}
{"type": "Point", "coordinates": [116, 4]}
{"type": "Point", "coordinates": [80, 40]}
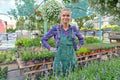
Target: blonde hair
{"type": "Point", "coordinates": [64, 9]}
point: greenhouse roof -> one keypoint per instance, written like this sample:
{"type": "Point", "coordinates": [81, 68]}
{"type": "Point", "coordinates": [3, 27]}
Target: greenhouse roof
{"type": "Point", "coordinates": [79, 9]}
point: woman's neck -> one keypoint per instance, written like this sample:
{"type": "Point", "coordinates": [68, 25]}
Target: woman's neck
{"type": "Point", "coordinates": [65, 26]}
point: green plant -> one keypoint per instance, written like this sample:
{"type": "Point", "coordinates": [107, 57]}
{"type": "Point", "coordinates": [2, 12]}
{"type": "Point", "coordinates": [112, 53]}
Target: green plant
{"type": "Point", "coordinates": [82, 50]}
{"type": "Point", "coordinates": [101, 70]}
{"type": "Point", "coordinates": [2, 58]}
{"type": "Point", "coordinates": [3, 73]}
{"type": "Point", "coordinates": [51, 42]}
{"type": "Point", "coordinates": [27, 57]}
{"type": "Point", "coordinates": [11, 30]}
{"type": "Point", "coordinates": [90, 40]}
{"type": "Point", "coordinates": [116, 28]}
{"type": "Point", "coordinates": [88, 24]}
{"type": "Point", "coordinates": [42, 55]}
{"type": "Point", "coordinates": [51, 10]}
{"type": "Point", "coordinates": [28, 42]}
{"type": "Point", "coordinates": [35, 56]}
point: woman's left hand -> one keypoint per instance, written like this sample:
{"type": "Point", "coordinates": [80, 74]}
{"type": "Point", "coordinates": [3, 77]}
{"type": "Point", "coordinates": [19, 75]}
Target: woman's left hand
{"type": "Point", "coordinates": [53, 49]}
{"type": "Point", "coordinates": [78, 47]}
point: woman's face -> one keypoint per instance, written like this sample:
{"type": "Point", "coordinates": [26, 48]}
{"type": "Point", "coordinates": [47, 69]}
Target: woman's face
{"type": "Point", "coordinates": [65, 17]}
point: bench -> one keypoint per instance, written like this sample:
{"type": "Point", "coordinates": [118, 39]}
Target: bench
{"type": "Point", "coordinates": [114, 36]}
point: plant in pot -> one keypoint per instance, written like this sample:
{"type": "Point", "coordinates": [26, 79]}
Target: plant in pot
{"type": "Point", "coordinates": [49, 56]}
{"type": "Point", "coordinates": [35, 58]}
{"type": "Point", "coordinates": [82, 51]}
{"type": "Point", "coordinates": [26, 58]}
{"type": "Point", "coordinates": [42, 57]}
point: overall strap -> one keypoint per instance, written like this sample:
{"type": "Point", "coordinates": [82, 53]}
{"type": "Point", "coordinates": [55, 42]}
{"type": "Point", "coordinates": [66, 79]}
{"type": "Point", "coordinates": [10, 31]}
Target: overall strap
{"type": "Point", "coordinates": [59, 29]}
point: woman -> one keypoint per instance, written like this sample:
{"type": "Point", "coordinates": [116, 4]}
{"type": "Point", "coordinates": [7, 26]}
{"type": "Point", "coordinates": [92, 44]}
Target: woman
{"type": "Point", "coordinates": [64, 35]}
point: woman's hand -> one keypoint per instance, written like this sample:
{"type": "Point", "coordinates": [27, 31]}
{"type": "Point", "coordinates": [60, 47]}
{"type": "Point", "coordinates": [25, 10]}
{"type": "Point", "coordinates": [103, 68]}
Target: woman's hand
{"type": "Point", "coordinates": [53, 49]}
{"type": "Point", "coordinates": [78, 47]}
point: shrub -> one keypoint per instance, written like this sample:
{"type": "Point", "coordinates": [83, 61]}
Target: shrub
{"type": "Point", "coordinates": [28, 42]}
{"type": "Point", "coordinates": [89, 40]}
{"type": "Point", "coordinates": [116, 29]}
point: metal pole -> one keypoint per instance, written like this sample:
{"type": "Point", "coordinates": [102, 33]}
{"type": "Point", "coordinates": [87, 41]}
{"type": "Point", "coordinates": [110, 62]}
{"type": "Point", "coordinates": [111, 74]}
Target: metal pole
{"type": "Point", "coordinates": [100, 24]}
{"type": "Point", "coordinates": [45, 26]}
{"type": "Point", "coordinates": [45, 22]}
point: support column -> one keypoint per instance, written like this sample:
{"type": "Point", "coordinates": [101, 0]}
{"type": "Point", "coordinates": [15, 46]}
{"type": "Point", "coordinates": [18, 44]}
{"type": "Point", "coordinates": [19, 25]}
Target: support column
{"type": "Point", "coordinates": [100, 25]}
{"type": "Point", "coordinates": [45, 23]}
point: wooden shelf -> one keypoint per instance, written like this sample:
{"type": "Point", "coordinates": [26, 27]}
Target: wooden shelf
{"type": "Point", "coordinates": [21, 64]}
{"type": "Point", "coordinates": [37, 68]}
{"type": "Point", "coordinates": [37, 71]}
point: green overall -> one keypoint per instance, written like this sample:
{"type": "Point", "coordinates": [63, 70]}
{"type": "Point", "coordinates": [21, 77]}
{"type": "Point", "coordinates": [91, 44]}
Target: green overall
{"type": "Point", "coordinates": [65, 58]}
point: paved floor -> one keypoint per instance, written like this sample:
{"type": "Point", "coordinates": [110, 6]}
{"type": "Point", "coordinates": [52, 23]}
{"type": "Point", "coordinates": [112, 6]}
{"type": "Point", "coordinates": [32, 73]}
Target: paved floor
{"type": "Point", "coordinates": [13, 72]}
{"type": "Point", "coordinates": [15, 75]}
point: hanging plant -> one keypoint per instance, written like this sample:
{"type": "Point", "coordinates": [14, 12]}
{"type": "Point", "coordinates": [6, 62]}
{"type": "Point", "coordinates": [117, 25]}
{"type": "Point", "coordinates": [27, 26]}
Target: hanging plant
{"type": "Point", "coordinates": [51, 10]}
{"type": "Point", "coordinates": [88, 24]}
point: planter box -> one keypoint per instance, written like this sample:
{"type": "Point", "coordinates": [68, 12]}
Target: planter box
{"type": "Point", "coordinates": [43, 66]}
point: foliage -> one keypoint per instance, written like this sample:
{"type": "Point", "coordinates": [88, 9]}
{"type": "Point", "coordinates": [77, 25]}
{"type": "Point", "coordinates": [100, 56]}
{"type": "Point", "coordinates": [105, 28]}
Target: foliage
{"type": "Point", "coordinates": [117, 28]}
{"type": "Point", "coordinates": [3, 73]}
{"type": "Point", "coordinates": [51, 10]}
{"type": "Point", "coordinates": [90, 40]}
{"type": "Point", "coordinates": [106, 7]}
{"type": "Point", "coordinates": [24, 42]}
{"type": "Point", "coordinates": [9, 30]}
{"type": "Point", "coordinates": [80, 21]}
{"type": "Point", "coordinates": [7, 57]}
{"type": "Point", "coordinates": [45, 53]}
{"type": "Point", "coordinates": [114, 20]}
{"type": "Point", "coordinates": [88, 24]}
{"type": "Point", "coordinates": [30, 53]}
{"type": "Point", "coordinates": [23, 8]}
{"type": "Point", "coordinates": [35, 21]}
{"type": "Point", "coordinates": [26, 16]}
{"type": "Point", "coordinates": [101, 70]}
{"type": "Point", "coordinates": [52, 42]}
{"type": "Point", "coordinates": [82, 50]}
{"type": "Point", "coordinates": [26, 56]}
{"type": "Point", "coordinates": [70, 1]}
{"type": "Point", "coordinates": [100, 46]}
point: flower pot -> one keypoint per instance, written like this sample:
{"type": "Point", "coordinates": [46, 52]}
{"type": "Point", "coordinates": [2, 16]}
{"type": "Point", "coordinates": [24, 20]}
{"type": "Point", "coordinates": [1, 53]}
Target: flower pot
{"type": "Point", "coordinates": [36, 61]}
{"type": "Point", "coordinates": [26, 63]}
{"type": "Point", "coordinates": [41, 60]}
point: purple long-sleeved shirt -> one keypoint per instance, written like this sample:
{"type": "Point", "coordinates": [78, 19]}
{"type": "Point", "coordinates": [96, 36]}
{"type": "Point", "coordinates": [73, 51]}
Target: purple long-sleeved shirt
{"type": "Point", "coordinates": [55, 31]}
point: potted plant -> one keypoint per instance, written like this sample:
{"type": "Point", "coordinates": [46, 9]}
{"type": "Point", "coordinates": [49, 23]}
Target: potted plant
{"type": "Point", "coordinates": [42, 57]}
{"type": "Point", "coordinates": [49, 56]}
{"type": "Point", "coordinates": [27, 58]}
{"type": "Point", "coordinates": [82, 51]}
{"type": "Point", "coordinates": [35, 58]}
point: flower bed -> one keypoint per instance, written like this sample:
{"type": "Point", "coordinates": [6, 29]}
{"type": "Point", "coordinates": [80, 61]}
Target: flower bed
{"type": "Point", "coordinates": [29, 55]}
{"type": "Point", "coordinates": [103, 70]}
{"type": "Point", "coordinates": [7, 57]}
{"type": "Point", "coordinates": [42, 60]}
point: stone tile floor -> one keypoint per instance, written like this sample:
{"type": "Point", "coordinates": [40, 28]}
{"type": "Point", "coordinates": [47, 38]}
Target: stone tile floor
{"type": "Point", "coordinates": [15, 75]}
